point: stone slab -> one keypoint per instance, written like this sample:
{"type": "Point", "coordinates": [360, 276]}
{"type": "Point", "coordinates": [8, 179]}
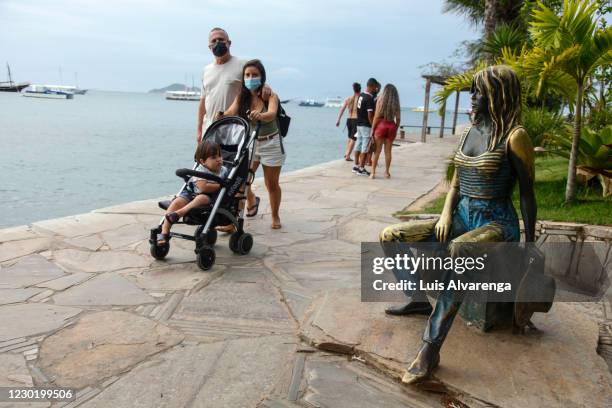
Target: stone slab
{"type": "Point", "coordinates": [21, 232]}
{"type": "Point", "coordinates": [8, 296]}
{"type": "Point", "coordinates": [135, 207]}
{"type": "Point", "coordinates": [90, 242]}
{"type": "Point", "coordinates": [126, 235]}
{"type": "Point", "coordinates": [364, 231]}
{"type": "Point", "coordinates": [103, 261]}
{"type": "Point", "coordinates": [230, 299]}
{"type": "Point", "coordinates": [16, 249]}
{"type": "Point", "coordinates": [105, 290]}
{"type": "Point", "coordinates": [241, 378]}
{"type": "Point", "coordinates": [325, 377]}
{"type": "Point", "coordinates": [14, 373]}
{"type": "Point", "coordinates": [29, 271]}
{"type": "Point", "coordinates": [66, 281]}
{"type": "Point", "coordinates": [101, 345]}
{"type": "Point", "coordinates": [498, 367]}
{"type": "Point", "coordinates": [182, 276]}
{"type": "Point", "coordinates": [84, 224]}
{"type": "Point", "coordinates": [170, 379]}
{"type": "Point", "coordinates": [24, 320]}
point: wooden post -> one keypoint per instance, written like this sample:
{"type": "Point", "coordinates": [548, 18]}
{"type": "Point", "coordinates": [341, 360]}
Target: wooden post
{"type": "Point", "coordinates": [455, 114]}
{"type": "Point", "coordinates": [424, 129]}
{"type": "Point", "coordinates": [443, 119]}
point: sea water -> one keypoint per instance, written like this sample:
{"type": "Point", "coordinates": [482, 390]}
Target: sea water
{"type": "Point", "coordinates": [64, 157]}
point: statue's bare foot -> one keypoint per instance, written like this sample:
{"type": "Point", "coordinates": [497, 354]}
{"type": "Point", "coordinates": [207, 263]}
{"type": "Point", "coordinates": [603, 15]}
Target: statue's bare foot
{"type": "Point", "coordinates": [423, 365]}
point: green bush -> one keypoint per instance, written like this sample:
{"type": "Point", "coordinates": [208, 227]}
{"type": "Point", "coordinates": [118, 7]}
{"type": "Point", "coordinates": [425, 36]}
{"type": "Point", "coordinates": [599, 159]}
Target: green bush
{"type": "Point", "coordinates": [543, 126]}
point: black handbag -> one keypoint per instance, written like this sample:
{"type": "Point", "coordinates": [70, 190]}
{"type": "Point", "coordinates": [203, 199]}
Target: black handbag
{"type": "Point", "coordinates": [283, 120]}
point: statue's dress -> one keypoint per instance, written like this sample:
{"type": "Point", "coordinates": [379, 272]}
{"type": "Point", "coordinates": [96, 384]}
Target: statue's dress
{"type": "Point", "coordinates": [484, 213]}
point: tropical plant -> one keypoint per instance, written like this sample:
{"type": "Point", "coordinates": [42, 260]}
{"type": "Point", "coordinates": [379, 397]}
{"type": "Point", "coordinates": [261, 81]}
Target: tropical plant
{"type": "Point", "coordinates": [544, 126]}
{"type": "Point", "coordinates": [572, 45]}
{"type": "Point", "coordinates": [508, 38]}
{"type": "Point", "coordinates": [594, 153]}
{"type": "Point", "coordinates": [457, 83]}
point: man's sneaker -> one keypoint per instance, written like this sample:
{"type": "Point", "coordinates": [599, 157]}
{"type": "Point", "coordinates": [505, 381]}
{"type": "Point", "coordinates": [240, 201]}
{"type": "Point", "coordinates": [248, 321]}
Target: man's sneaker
{"type": "Point", "coordinates": [356, 170]}
{"type": "Point", "coordinates": [364, 172]}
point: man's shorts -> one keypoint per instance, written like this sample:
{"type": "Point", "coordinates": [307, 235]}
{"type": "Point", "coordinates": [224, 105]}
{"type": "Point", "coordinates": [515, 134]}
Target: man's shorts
{"type": "Point", "coordinates": [351, 126]}
{"type": "Point", "coordinates": [363, 139]}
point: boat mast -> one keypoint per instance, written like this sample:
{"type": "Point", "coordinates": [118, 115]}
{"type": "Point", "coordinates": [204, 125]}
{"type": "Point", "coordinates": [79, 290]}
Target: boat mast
{"type": "Point", "coordinates": [8, 68]}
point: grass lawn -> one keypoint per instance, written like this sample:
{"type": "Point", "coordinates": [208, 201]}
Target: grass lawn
{"type": "Point", "coordinates": [551, 172]}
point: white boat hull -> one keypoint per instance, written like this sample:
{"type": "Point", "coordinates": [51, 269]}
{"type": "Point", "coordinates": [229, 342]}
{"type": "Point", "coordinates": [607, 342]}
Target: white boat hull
{"type": "Point", "coordinates": [183, 98]}
{"type": "Point", "coordinates": [47, 95]}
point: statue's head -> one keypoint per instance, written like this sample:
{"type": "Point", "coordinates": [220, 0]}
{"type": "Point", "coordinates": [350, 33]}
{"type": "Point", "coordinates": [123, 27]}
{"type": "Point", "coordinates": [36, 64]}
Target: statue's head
{"type": "Point", "coordinates": [496, 98]}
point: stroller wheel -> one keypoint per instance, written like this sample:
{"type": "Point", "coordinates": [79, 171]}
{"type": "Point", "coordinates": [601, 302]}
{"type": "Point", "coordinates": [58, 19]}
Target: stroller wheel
{"type": "Point", "coordinates": [159, 252]}
{"type": "Point", "coordinates": [206, 257]}
{"type": "Point", "coordinates": [245, 243]}
{"type": "Point", "coordinates": [233, 241]}
{"type": "Point", "coordinates": [211, 236]}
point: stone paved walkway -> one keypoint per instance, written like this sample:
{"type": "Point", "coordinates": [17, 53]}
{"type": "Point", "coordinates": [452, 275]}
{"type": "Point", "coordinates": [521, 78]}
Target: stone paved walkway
{"type": "Point", "coordinates": [82, 304]}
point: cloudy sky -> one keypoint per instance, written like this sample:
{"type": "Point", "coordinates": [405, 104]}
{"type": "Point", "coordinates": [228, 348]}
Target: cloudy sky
{"type": "Point", "coordinates": [313, 48]}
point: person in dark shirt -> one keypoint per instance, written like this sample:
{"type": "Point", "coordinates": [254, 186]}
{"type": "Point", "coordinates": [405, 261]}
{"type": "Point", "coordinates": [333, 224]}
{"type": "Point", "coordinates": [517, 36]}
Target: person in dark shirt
{"type": "Point", "coordinates": [365, 116]}
{"type": "Point", "coordinates": [372, 149]}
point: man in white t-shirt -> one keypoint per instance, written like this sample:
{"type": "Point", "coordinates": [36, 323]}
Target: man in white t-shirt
{"type": "Point", "coordinates": [221, 81]}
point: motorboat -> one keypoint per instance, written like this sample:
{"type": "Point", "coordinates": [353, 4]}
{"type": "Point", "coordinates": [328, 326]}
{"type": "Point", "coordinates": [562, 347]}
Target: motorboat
{"type": "Point", "coordinates": [311, 103]}
{"type": "Point", "coordinates": [42, 91]}
{"type": "Point", "coordinates": [333, 102]}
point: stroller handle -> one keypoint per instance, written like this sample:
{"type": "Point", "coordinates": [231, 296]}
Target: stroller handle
{"type": "Point", "coordinates": [186, 173]}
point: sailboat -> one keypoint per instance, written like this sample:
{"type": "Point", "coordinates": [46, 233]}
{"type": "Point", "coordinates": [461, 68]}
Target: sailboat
{"type": "Point", "coordinates": [10, 86]}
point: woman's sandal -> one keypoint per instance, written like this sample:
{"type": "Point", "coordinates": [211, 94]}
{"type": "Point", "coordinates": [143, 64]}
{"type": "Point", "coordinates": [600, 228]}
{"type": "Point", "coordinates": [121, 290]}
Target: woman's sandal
{"type": "Point", "coordinates": [163, 239]}
{"type": "Point", "coordinates": [172, 218]}
{"type": "Point", "coordinates": [255, 207]}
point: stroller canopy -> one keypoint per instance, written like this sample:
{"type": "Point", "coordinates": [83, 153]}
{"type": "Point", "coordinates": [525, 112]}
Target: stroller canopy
{"type": "Point", "coordinates": [229, 131]}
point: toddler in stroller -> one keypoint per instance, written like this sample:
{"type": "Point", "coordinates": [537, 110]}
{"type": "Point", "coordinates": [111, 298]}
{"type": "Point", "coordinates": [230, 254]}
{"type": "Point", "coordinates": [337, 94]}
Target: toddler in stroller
{"type": "Point", "coordinates": [213, 193]}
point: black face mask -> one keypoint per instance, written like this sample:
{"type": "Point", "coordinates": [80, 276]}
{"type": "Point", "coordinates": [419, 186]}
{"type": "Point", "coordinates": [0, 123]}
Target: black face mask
{"type": "Point", "coordinates": [219, 49]}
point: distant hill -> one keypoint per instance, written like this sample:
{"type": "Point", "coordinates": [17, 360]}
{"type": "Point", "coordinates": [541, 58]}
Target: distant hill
{"type": "Point", "coordinates": [173, 87]}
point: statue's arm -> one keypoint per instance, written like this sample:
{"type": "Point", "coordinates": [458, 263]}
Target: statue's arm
{"type": "Point", "coordinates": [446, 218]}
{"type": "Point", "coordinates": [520, 152]}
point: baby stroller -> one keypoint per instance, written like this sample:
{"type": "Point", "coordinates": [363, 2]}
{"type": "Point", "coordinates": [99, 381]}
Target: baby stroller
{"type": "Point", "coordinates": [234, 136]}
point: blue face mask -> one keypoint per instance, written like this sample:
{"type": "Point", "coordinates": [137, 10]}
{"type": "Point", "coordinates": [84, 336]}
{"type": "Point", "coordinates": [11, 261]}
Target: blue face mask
{"type": "Point", "coordinates": [252, 83]}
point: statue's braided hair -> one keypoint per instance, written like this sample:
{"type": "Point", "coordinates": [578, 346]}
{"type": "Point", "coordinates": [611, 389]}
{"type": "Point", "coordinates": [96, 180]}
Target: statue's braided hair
{"type": "Point", "coordinates": [502, 88]}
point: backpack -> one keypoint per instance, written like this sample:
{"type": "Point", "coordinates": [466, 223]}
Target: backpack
{"type": "Point", "coordinates": [283, 120]}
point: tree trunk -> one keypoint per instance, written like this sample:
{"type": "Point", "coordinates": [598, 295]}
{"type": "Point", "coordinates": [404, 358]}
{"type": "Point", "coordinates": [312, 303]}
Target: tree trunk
{"type": "Point", "coordinates": [570, 188]}
{"type": "Point", "coordinates": [490, 18]}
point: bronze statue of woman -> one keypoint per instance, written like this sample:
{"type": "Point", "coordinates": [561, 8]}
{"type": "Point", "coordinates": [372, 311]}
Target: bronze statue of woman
{"type": "Point", "coordinates": [493, 153]}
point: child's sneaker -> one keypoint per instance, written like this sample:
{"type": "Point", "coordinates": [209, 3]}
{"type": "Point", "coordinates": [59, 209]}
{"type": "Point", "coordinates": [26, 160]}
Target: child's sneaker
{"type": "Point", "coordinates": [356, 170]}
{"type": "Point", "coordinates": [364, 172]}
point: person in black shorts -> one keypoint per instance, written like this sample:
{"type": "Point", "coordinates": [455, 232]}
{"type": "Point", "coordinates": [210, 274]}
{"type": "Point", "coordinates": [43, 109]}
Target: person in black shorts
{"type": "Point", "coordinates": [350, 103]}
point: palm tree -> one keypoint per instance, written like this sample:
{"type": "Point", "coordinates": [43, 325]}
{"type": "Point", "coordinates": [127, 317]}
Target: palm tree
{"type": "Point", "coordinates": [490, 18]}
{"type": "Point", "coordinates": [504, 11]}
{"type": "Point", "coordinates": [571, 44]}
